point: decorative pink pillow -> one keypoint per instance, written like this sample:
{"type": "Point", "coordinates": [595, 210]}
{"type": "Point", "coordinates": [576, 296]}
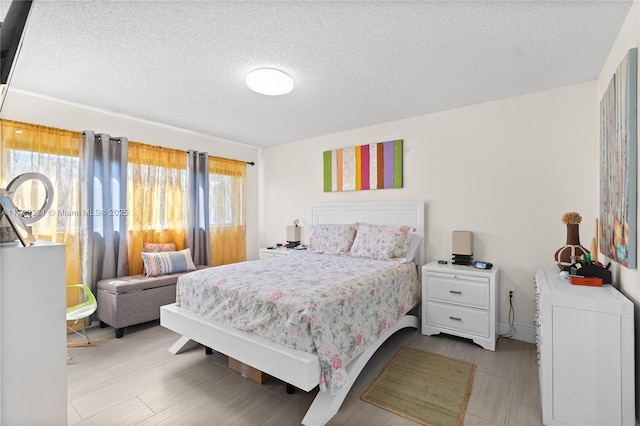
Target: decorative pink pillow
{"type": "Point", "coordinates": [382, 242]}
{"type": "Point", "coordinates": [158, 247]}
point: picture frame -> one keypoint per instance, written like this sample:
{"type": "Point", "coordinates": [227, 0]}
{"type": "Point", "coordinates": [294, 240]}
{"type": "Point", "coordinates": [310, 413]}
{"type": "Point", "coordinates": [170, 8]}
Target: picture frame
{"type": "Point", "coordinates": [9, 210]}
{"type": "Point", "coordinates": [363, 167]}
{"type": "Point", "coordinates": [617, 231]}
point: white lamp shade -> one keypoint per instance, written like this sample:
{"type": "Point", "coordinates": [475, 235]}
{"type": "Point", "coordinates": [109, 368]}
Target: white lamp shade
{"type": "Point", "coordinates": [293, 233]}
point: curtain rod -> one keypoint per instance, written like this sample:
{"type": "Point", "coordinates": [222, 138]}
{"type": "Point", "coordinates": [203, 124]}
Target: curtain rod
{"type": "Point", "coordinates": [251, 163]}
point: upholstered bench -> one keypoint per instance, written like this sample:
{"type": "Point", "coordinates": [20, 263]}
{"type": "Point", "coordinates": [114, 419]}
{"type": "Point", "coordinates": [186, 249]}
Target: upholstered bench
{"type": "Point", "coordinates": [134, 299]}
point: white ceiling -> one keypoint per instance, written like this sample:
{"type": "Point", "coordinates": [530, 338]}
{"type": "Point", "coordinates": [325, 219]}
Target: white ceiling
{"type": "Point", "coordinates": [354, 63]}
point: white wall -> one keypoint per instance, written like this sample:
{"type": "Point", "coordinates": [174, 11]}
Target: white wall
{"type": "Point", "coordinates": [505, 170]}
{"type": "Point", "coordinates": [628, 279]}
{"type": "Point", "coordinates": [29, 108]}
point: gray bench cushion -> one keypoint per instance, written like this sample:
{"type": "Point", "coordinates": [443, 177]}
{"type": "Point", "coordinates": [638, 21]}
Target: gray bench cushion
{"type": "Point", "coordinates": [132, 283]}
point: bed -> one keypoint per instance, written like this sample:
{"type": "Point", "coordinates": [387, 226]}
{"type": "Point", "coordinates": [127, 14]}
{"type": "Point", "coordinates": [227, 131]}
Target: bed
{"type": "Point", "coordinates": [280, 356]}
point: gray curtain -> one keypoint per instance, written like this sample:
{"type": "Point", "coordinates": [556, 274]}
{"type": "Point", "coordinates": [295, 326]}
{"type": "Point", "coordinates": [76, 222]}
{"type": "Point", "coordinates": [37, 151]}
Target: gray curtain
{"type": "Point", "coordinates": [103, 234]}
{"type": "Point", "coordinates": [197, 238]}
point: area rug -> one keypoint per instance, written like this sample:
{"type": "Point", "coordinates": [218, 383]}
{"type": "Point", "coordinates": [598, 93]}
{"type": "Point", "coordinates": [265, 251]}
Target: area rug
{"type": "Point", "coordinates": [427, 388]}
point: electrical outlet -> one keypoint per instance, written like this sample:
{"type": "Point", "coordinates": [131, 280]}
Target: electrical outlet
{"type": "Point", "coordinates": [511, 294]}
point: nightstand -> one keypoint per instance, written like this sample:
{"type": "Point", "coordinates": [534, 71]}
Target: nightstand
{"type": "Point", "coordinates": [462, 301]}
{"type": "Point", "coordinates": [266, 253]}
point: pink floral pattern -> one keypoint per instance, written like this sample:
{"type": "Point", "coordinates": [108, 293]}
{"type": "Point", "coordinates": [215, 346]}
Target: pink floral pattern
{"type": "Point", "coordinates": [158, 247]}
{"type": "Point", "coordinates": [382, 242]}
{"type": "Point", "coordinates": [336, 362]}
{"type": "Point", "coordinates": [333, 305]}
{"type": "Point", "coordinates": [331, 239]}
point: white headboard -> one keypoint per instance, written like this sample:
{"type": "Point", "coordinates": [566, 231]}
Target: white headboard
{"type": "Point", "coordinates": [409, 213]}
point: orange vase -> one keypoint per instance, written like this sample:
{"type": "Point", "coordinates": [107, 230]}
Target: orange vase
{"type": "Point", "coordinates": [570, 253]}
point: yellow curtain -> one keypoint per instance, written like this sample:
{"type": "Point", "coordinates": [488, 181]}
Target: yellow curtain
{"type": "Point", "coordinates": [227, 216]}
{"type": "Point", "coordinates": [56, 154]}
{"type": "Point", "coordinates": [156, 191]}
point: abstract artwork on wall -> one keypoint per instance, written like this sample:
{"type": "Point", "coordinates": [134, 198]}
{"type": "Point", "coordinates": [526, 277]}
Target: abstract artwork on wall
{"type": "Point", "coordinates": [373, 166]}
{"type": "Point", "coordinates": [618, 165]}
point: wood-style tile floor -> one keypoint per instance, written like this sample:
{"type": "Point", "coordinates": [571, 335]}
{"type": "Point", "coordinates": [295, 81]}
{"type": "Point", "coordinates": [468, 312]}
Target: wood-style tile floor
{"type": "Point", "coordinates": [136, 381]}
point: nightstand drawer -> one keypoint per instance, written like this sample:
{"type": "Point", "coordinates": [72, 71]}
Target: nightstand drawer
{"type": "Point", "coordinates": [458, 318]}
{"type": "Point", "coordinates": [474, 293]}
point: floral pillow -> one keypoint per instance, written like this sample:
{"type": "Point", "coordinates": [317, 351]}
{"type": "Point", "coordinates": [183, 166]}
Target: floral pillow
{"type": "Point", "coordinates": [382, 242]}
{"type": "Point", "coordinates": [158, 247]}
{"type": "Point", "coordinates": [167, 262]}
{"type": "Point", "coordinates": [331, 239]}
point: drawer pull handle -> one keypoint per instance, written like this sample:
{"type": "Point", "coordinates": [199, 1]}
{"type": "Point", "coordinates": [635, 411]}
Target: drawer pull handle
{"type": "Point", "coordinates": [455, 292]}
{"type": "Point", "coordinates": [455, 318]}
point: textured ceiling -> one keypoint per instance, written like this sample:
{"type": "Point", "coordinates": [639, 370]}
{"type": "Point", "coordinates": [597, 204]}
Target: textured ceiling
{"type": "Point", "coordinates": [354, 63]}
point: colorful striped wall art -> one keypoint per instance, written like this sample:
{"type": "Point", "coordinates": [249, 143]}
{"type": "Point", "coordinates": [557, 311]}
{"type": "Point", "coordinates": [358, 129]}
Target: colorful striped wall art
{"type": "Point", "coordinates": [373, 166]}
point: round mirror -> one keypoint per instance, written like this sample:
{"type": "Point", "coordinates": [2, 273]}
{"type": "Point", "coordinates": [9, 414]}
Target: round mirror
{"type": "Point", "coordinates": [40, 191]}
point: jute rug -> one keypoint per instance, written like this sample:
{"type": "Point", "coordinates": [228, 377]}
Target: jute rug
{"type": "Point", "coordinates": [427, 388]}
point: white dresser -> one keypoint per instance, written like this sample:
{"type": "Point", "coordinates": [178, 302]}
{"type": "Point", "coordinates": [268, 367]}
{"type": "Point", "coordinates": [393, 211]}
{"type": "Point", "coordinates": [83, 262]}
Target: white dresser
{"type": "Point", "coordinates": [585, 349]}
{"type": "Point", "coordinates": [462, 301]}
{"type": "Point", "coordinates": [33, 339]}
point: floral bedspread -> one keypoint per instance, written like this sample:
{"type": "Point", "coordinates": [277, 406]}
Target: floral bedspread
{"type": "Point", "coordinates": [334, 305]}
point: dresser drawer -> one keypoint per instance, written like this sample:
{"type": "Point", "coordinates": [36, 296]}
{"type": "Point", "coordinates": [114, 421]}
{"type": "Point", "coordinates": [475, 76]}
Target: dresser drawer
{"type": "Point", "coordinates": [467, 291]}
{"type": "Point", "coordinates": [458, 318]}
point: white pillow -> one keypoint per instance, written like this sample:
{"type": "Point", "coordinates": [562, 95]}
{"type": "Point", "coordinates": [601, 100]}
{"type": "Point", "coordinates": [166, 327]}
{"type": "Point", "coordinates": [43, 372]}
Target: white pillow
{"type": "Point", "coordinates": [331, 238]}
{"type": "Point", "coordinates": [381, 242]}
{"type": "Point", "coordinates": [414, 247]}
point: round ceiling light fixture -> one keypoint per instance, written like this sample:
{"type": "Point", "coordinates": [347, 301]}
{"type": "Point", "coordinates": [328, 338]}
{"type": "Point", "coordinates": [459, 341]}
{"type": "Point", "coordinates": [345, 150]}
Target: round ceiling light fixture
{"type": "Point", "coordinates": [269, 81]}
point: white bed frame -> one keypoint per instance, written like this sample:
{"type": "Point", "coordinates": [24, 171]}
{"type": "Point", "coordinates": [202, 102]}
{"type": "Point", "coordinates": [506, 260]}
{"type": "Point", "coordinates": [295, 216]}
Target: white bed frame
{"type": "Point", "coordinates": [298, 368]}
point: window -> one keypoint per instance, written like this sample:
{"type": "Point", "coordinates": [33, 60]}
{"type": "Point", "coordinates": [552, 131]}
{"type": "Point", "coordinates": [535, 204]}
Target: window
{"type": "Point", "coordinates": [156, 199]}
{"type": "Point", "coordinates": [54, 153]}
{"type": "Point", "coordinates": [156, 194]}
{"type": "Point", "coordinates": [226, 199]}
{"type": "Point", "coordinates": [227, 228]}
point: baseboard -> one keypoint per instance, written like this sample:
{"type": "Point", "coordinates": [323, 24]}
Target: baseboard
{"type": "Point", "coordinates": [520, 332]}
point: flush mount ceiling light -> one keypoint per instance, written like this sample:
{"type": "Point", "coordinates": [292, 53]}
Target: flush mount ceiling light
{"type": "Point", "coordinates": [269, 81]}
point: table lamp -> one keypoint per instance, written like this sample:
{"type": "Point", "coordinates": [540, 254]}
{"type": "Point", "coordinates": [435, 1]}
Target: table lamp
{"type": "Point", "coordinates": [293, 234]}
